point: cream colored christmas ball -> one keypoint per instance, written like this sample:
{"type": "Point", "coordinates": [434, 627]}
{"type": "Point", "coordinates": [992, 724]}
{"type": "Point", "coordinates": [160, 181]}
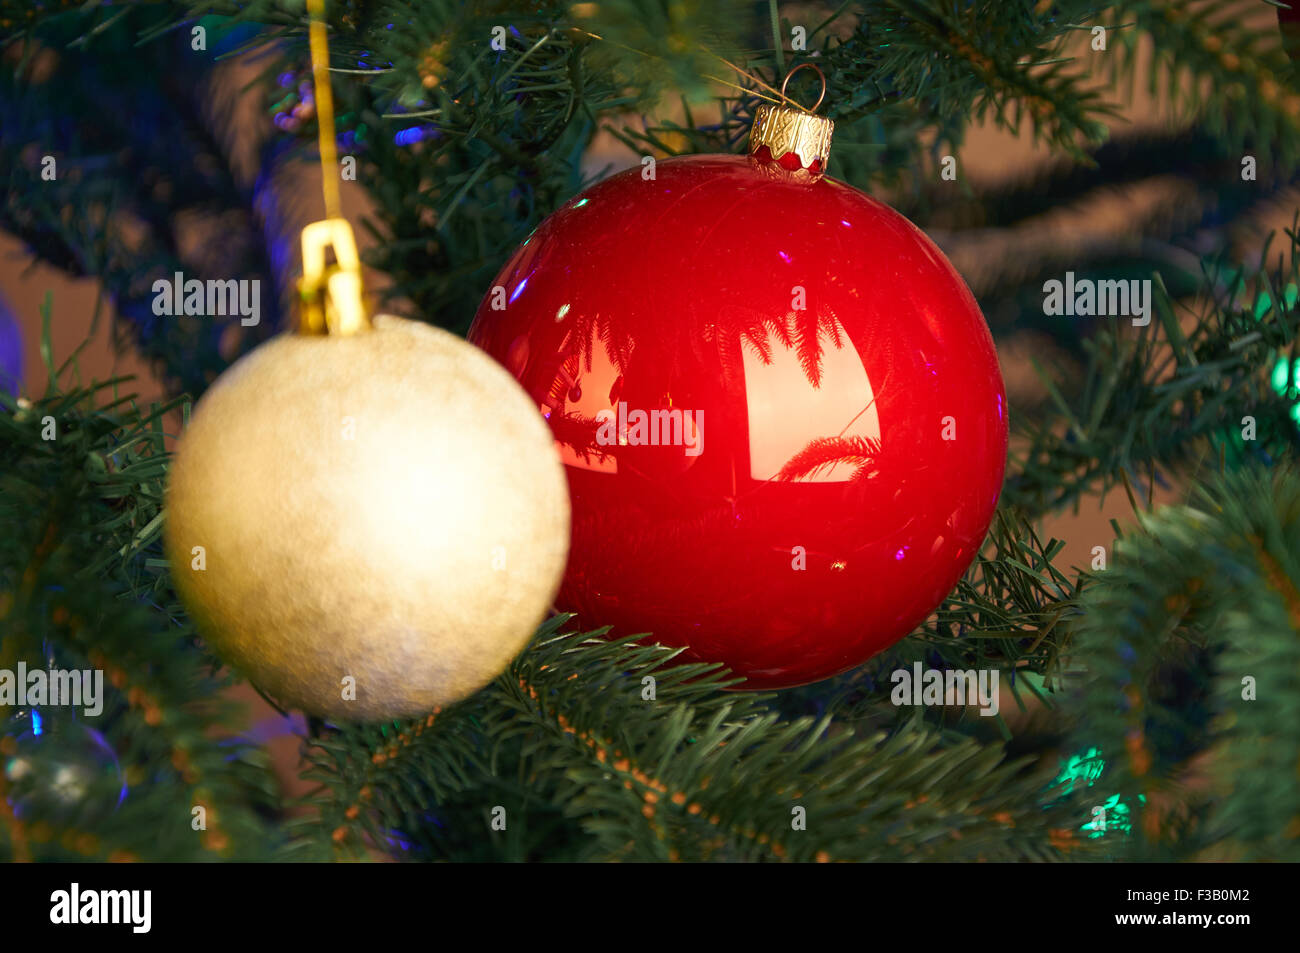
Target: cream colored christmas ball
{"type": "Point", "coordinates": [369, 525]}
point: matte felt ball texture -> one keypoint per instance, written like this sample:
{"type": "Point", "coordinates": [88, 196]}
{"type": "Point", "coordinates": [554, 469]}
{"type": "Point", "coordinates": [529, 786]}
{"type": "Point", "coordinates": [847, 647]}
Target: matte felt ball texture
{"type": "Point", "coordinates": [368, 526]}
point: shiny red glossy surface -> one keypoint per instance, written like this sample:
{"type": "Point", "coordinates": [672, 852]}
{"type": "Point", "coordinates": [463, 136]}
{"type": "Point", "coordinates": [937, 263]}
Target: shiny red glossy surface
{"type": "Point", "coordinates": [683, 293]}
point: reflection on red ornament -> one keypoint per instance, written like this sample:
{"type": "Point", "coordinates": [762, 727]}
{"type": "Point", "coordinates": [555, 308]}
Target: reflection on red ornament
{"type": "Point", "coordinates": [850, 426]}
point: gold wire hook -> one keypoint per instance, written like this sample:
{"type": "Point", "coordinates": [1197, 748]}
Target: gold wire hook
{"type": "Point", "coordinates": [820, 75]}
{"type": "Point", "coordinates": [331, 294]}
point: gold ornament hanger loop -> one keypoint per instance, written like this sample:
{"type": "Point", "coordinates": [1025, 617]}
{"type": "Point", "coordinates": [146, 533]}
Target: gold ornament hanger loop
{"type": "Point", "coordinates": [331, 293]}
{"type": "Point", "coordinates": [786, 130]}
{"type": "Point", "coordinates": [820, 75]}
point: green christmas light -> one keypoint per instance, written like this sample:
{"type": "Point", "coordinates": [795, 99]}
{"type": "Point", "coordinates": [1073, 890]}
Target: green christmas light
{"type": "Point", "coordinates": [1081, 767]}
{"type": "Point", "coordinates": [1286, 373]}
{"type": "Point", "coordinates": [1114, 816]}
{"type": "Point", "coordinates": [1265, 301]}
{"type": "Point", "coordinates": [1286, 383]}
{"type": "Point", "coordinates": [1086, 769]}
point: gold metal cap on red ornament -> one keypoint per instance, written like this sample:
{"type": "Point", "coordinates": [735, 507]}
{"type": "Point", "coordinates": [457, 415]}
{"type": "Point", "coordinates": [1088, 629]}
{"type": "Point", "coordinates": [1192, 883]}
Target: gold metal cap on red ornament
{"type": "Point", "coordinates": [793, 131]}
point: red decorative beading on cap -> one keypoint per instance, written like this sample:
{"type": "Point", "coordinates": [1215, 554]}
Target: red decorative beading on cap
{"type": "Point", "coordinates": [786, 131]}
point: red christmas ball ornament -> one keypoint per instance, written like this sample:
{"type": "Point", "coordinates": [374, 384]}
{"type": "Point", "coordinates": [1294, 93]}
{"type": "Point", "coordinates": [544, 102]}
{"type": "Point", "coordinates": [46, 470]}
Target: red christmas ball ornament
{"type": "Point", "coordinates": [778, 405]}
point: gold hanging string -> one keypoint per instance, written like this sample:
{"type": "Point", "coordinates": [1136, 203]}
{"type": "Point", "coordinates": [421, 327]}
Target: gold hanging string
{"type": "Point", "coordinates": [777, 96]}
{"type": "Point", "coordinates": [753, 78]}
{"type": "Point", "coordinates": [331, 292]}
{"type": "Point", "coordinates": [781, 124]}
{"type": "Point", "coordinates": [320, 75]}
